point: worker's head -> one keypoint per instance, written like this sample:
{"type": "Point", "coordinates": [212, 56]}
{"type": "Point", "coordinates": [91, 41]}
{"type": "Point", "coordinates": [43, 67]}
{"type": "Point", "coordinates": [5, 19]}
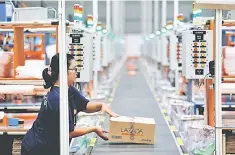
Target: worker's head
{"type": "Point", "coordinates": [51, 74]}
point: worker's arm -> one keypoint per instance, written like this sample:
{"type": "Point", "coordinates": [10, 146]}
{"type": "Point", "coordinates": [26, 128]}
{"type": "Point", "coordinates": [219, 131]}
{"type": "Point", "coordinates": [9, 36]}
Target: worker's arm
{"type": "Point", "coordinates": [83, 131]}
{"type": "Point", "coordinates": [97, 106]}
{"type": "Point", "coordinates": [82, 104]}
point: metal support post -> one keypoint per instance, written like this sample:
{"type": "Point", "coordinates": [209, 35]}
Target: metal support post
{"type": "Point", "coordinates": [158, 40]}
{"type": "Point", "coordinates": [156, 28]}
{"type": "Point", "coordinates": [156, 25]}
{"type": "Point", "coordinates": [218, 74]}
{"type": "Point", "coordinates": [163, 38]}
{"type": "Point", "coordinates": [64, 119]}
{"type": "Point", "coordinates": [164, 13]}
{"type": "Point", "coordinates": [95, 13]}
{"type": "Point", "coordinates": [143, 18]}
{"type": "Point", "coordinates": [108, 15]}
{"type": "Point", "coordinates": [106, 40]}
{"type": "Point", "coordinates": [150, 27]}
{"type": "Point", "coordinates": [143, 12]}
{"type": "Point", "coordinates": [115, 24]}
{"type": "Point", "coordinates": [176, 13]}
{"type": "Point", "coordinates": [123, 16]}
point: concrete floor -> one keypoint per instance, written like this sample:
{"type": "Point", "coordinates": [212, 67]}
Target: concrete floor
{"type": "Point", "coordinates": [134, 98]}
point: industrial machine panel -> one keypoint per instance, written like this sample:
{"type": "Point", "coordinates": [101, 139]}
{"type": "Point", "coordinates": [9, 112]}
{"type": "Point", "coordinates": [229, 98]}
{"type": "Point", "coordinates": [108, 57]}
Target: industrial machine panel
{"type": "Point", "coordinates": [97, 53]}
{"type": "Point", "coordinates": [197, 53]}
{"type": "Point", "coordinates": [79, 45]}
{"type": "Point", "coordinates": [22, 14]}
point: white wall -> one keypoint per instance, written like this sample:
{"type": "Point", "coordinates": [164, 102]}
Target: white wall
{"type": "Point", "coordinates": [133, 44]}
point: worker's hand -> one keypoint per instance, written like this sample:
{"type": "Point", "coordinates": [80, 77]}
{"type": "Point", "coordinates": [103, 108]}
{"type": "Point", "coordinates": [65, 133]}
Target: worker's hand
{"type": "Point", "coordinates": [101, 133]}
{"type": "Point", "coordinates": [106, 109]}
{"type": "Point", "coordinates": [113, 114]}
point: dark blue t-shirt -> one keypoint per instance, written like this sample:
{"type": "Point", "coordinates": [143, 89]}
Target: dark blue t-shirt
{"type": "Point", "coordinates": [45, 132]}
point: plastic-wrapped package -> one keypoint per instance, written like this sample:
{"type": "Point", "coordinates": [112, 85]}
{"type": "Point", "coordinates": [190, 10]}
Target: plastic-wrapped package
{"type": "Point", "coordinates": [183, 122]}
{"type": "Point", "coordinates": [200, 139]}
{"type": "Point", "coordinates": [161, 88]}
{"type": "Point", "coordinates": [79, 145]}
{"type": "Point", "coordinates": [88, 120]}
{"type": "Point", "coordinates": [166, 92]}
{"type": "Point", "coordinates": [182, 107]}
{"type": "Point", "coordinates": [177, 97]}
{"type": "Point", "coordinates": [158, 88]}
{"type": "Point", "coordinates": [170, 102]}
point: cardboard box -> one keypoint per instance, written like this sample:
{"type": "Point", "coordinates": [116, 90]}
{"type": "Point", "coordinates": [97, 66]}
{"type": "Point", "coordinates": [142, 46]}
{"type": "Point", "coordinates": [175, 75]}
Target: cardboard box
{"type": "Point", "coordinates": [132, 130]}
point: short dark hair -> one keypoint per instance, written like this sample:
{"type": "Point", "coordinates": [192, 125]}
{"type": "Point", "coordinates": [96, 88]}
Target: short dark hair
{"type": "Point", "coordinates": [53, 76]}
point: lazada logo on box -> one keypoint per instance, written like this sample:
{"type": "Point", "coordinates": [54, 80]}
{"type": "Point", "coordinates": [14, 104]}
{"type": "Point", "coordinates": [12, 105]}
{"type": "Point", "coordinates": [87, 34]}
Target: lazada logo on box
{"type": "Point", "coordinates": [132, 132]}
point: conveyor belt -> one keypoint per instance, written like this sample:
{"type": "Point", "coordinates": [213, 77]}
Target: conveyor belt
{"type": "Point", "coordinates": [134, 98]}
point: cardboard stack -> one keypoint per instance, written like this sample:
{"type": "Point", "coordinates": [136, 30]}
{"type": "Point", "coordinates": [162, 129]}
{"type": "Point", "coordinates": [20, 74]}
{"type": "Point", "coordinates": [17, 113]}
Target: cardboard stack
{"type": "Point", "coordinates": [132, 130]}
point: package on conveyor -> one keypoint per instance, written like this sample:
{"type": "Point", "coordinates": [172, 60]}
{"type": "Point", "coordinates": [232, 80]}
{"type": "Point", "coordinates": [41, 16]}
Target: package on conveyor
{"type": "Point", "coordinates": [181, 107]}
{"type": "Point", "coordinates": [174, 96]}
{"type": "Point", "coordinates": [160, 84]}
{"type": "Point", "coordinates": [158, 88]}
{"type": "Point", "coordinates": [88, 119]}
{"type": "Point", "coordinates": [132, 130]}
{"type": "Point", "coordinates": [200, 139]}
{"type": "Point", "coordinates": [183, 122]}
{"type": "Point", "coordinates": [166, 91]}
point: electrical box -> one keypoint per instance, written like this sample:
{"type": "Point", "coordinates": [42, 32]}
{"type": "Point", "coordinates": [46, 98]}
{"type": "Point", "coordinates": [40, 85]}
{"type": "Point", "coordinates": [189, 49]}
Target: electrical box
{"type": "Point", "coordinates": [197, 53]}
{"type": "Point", "coordinates": [80, 45]}
{"type": "Point", "coordinates": [97, 53]}
{"type": "Point", "coordinates": [179, 54]}
{"type": "Point", "coordinates": [30, 14]}
{"type": "Point", "coordinates": [93, 52]}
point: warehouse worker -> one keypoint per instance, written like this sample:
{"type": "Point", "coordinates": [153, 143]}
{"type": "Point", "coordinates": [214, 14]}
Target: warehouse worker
{"type": "Point", "coordinates": [44, 136]}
